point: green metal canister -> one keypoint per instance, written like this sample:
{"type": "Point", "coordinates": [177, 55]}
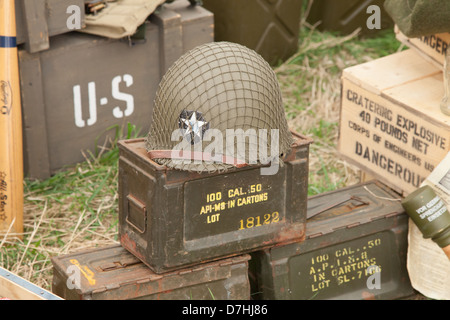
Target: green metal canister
{"type": "Point", "coordinates": [355, 248]}
{"type": "Point", "coordinates": [429, 212]}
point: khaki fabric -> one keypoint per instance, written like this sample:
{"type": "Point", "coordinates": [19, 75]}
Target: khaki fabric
{"type": "Point", "coordinates": [121, 18]}
{"type": "Point", "coordinates": [417, 18]}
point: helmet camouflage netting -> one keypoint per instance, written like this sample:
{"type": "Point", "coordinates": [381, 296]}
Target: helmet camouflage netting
{"type": "Point", "coordinates": [220, 86]}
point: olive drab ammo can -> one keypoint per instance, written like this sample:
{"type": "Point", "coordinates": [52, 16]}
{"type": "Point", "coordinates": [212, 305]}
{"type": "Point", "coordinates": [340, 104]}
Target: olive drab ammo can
{"type": "Point", "coordinates": [171, 218]}
{"type": "Point", "coordinates": [355, 248]}
{"type": "Point", "coordinates": [112, 273]}
{"type": "Point", "coordinates": [429, 212]}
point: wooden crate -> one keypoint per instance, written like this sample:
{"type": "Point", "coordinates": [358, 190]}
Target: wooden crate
{"type": "Point", "coordinates": [78, 92]}
{"type": "Point", "coordinates": [391, 125]}
{"type": "Point", "coordinates": [38, 20]}
{"type": "Point", "coordinates": [13, 287]}
{"type": "Point", "coordinates": [431, 48]}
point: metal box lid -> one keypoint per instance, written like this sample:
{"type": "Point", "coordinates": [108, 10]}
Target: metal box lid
{"type": "Point", "coordinates": [350, 207]}
{"type": "Point", "coordinates": [355, 248]}
{"type": "Point", "coordinates": [114, 273]}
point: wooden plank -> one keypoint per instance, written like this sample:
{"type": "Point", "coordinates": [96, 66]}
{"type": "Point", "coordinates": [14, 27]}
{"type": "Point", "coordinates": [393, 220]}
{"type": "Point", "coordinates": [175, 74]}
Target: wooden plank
{"type": "Point", "coordinates": [56, 13]}
{"type": "Point", "coordinates": [432, 48]}
{"type": "Point", "coordinates": [197, 22]}
{"type": "Point", "coordinates": [38, 20]}
{"type": "Point", "coordinates": [36, 152]}
{"type": "Point", "coordinates": [365, 177]}
{"type": "Point", "coordinates": [413, 96]}
{"type": "Point", "coordinates": [36, 25]}
{"type": "Point", "coordinates": [12, 291]}
{"type": "Point", "coordinates": [390, 71]}
{"type": "Point", "coordinates": [20, 23]}
{"type": "Point", "coordinates": [170, 35]}
{"type": "Point", "coordinates": [14, 287]}
{"type": "Point", "coordinates": [394, 132]}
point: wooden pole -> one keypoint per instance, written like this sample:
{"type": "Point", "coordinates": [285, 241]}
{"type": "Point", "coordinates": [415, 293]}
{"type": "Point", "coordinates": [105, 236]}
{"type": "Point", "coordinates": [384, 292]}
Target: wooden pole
{"type": "Point", "coordinates": [11, 151]}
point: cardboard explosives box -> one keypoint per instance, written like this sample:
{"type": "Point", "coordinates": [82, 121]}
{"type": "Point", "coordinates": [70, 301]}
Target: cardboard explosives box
{"type": "Point", "coordinates": [391, 125]}
{"type": "Point", "coordinates": [38, 20]}
{"type": "Point", "coordinates": [79, 92]}
{"type": "Point", "coordinates": [431, 48]}
{"type": "Point", "coordinates": [13, 287]}
{"type": "Point", "coordinates": [171, 219]}
{"type": "Point", "coordinates": [112, 273]}
{"type": "Point", "coordinates": [355, 248]}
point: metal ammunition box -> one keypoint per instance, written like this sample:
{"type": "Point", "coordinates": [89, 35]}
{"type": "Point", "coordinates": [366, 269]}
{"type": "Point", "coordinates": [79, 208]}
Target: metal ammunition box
{"type": "Point", "coordinates": [376, 139]}
{"type": "Point", "coordinates": [38, 20]}
{"type": "Point", "coordinates": [271, 26]}
{"type": "Point", "coordinates": [171, 219]}
{"type": "Point", "coordinates": [76, 94]}
{"type": "Point", "coordinates": [112, 273]}
{"type": "Point", "coordinates": [355, 248]}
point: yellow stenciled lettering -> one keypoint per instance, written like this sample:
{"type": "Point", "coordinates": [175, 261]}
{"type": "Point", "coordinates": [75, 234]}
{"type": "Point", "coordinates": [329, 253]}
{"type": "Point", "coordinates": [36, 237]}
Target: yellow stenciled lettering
{"type": "Point", "coordinates": [217, 196]}
{"type": "Point", "coordinates": [343, 265]}
{"type": "Point", "coordinates": [88, 274]}
{"type": "Point", "coordinates": [235, 192]}
{"type": "Point", "coordinates": [219, 206]}
{"type": "Point", "coordinates": [206, 209]}
{"type": "Point", "coordinates": [213, 218]}
{"type": "Point", "coordinates": [252, 199]}
{"type": "Point", "coordinates": [312, 271]}
{"type": "Point", "coordinates": [256, 188]}
{"type": "Point", "coordinates": [321, 285]}
{"type": "Point", "coordinates": [258, 221]}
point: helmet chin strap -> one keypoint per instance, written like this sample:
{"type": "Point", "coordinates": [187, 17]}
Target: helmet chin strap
{"type": "Point", "coordinates": [196, 156]}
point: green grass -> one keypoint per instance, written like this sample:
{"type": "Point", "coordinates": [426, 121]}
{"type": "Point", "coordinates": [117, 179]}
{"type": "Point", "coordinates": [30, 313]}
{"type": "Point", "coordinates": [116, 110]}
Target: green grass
{"type": "Point", "coordinates": [317, 45]}
{"type": "Point", "coordinates": [75, 208]}
{"type": "Point", "coordinates": [78, 207]}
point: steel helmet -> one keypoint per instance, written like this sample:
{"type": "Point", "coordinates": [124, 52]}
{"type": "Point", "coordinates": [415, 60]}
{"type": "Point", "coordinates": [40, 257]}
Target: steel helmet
{"type": "Point", "coordinates": [210, 93]}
